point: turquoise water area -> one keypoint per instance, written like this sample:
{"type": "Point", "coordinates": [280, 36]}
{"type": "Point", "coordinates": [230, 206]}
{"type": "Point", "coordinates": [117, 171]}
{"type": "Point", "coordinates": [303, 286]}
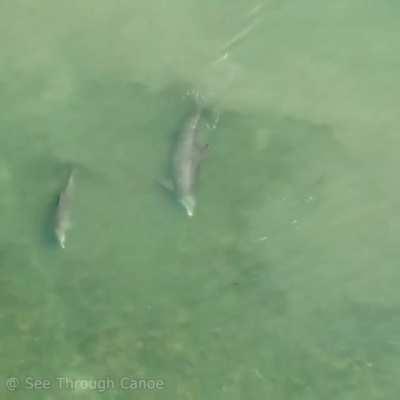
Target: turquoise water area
{"type": "Point", "coordinates": [284, 284]}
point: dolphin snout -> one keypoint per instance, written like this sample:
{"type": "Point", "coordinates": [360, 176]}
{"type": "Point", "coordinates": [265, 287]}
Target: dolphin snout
{"type": "Point", "coordinates": [61, 239]}
{"type": "Point", "coordinates": [189, 203]}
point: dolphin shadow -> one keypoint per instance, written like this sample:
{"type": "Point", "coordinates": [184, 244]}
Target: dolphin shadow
{"type": "Point", "coordinates": [48, 236]}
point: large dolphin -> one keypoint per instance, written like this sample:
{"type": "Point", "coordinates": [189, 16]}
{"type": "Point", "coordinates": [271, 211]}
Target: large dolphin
{"type": "Point", "coordinates": [186, 160]}
{"type": "Point", "coordinates": [63, 211]}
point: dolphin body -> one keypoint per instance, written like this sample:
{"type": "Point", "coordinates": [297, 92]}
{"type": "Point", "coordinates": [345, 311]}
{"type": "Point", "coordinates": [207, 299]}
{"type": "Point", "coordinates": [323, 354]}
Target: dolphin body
{"type": "Point", "coordinates": [186, 160]}
{"type": "Point", "coordinates": [63, 211]}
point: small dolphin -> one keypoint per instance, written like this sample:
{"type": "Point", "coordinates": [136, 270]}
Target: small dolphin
{"type": "Point", "coordinates": [186, 160]}
{"type": "Point", "coordinates": [62, 217]}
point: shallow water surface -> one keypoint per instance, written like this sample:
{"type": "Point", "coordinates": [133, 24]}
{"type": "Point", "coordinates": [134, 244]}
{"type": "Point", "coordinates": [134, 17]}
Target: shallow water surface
{"type": "Point", "coordinates": [284, 284]}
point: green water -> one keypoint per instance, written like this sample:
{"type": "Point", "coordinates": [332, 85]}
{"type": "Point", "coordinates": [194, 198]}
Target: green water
{"type": "Point", "coordinates": [284, 285]}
